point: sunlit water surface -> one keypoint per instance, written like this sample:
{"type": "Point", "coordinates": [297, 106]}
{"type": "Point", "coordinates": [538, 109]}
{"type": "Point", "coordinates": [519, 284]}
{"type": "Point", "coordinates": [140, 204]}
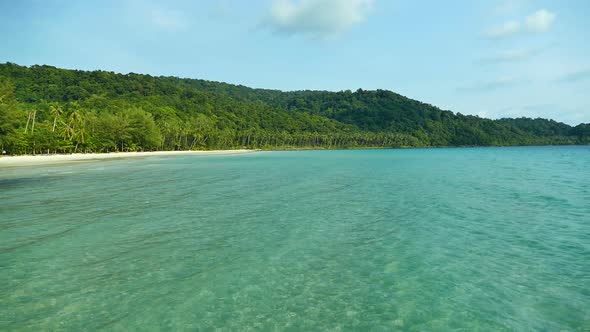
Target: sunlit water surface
{"type": "Point", "coordinates": [488, 239]}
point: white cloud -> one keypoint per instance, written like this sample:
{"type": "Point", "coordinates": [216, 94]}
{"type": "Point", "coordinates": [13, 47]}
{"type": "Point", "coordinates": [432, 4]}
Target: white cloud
{"type": "Point", "coordinates": [577, 75]}
{"type": "Point", "coordinates": [168, 19]}
{"type": "Point", "coordinates": [222, 8]}
{"type": "Point", "coordinates": [317, 18]}
{"type": "Point", "coordinates": [497, 83]}
{"type": "Point", "coordinates": [509, 6]}
{"type": "Point", "coordinates": [502, 81]}
{"type": "Point", "coordinates": [512, 56]}
{"type": "Point", "coordinates": [557, 111]}
{"type": "Point", "coordinates": [539, 21]}
{"type": "Point", "coordinates": [504, 30]}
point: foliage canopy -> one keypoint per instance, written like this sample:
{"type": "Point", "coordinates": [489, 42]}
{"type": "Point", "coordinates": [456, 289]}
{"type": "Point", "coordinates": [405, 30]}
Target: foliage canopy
{"type": "Point", "coordinates": [46, 109]}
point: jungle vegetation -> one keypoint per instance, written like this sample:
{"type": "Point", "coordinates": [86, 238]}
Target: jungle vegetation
{"type": "Point", "coordinates": [44, 109]}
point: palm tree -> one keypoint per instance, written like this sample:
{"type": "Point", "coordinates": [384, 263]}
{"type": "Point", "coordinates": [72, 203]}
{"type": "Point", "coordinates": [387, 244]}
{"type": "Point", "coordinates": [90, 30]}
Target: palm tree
{"type": "Point", "coordinates": [56, 111]}
{"type": "Point", "coordinates": [28, 120]}
{"type": "Point", "coordinates": [75, 119]}
{"type": "Point", "coordinates": [80, 136]}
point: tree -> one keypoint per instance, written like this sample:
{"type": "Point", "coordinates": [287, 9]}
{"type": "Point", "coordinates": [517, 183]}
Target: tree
{"type": "Point", "coordinates": [70, 111]}
{"type": "Point", "coordinates": [56, 111]}
{"type": "Point", "coordinates": [8, 116]}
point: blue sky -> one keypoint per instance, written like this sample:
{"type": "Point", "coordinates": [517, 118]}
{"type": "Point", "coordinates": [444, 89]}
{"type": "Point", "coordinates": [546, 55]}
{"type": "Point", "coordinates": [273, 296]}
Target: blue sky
{"type": "Point", "coordinates": [493, 58]}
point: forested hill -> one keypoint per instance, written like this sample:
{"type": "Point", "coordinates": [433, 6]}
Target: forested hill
{"type": "Point", "coordinates": [46, 109]}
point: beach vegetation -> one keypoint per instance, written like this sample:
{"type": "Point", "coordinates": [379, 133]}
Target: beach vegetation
{"type": "Point", "coordinates": [44, 109]}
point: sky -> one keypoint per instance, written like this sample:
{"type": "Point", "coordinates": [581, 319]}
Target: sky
{"type": "Point", "coordinates": [492, 58]}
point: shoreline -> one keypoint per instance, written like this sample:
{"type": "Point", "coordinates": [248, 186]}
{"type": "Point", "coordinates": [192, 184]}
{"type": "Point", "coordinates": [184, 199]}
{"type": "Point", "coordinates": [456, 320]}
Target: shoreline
{"type": "Point", "coordinates": [56, 159]}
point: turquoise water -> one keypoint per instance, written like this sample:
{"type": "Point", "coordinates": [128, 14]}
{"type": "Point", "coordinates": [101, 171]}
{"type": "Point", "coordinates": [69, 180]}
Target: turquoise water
{"type": "Point", "coordinates": [483, 239]}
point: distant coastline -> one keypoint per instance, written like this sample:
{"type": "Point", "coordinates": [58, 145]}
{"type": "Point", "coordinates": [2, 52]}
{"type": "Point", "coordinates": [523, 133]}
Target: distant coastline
{"type": "Point", "coordinates": [98, 111]}
{"type": "Point", "coordinates": [56, 159]}
{"type": "Point", "coordinates": [53, 159]}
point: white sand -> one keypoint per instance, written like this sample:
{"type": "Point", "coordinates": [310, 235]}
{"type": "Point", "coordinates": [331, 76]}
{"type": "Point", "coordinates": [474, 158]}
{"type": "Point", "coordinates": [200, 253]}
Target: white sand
{"type": "Point", "coordinates": [16, 161]}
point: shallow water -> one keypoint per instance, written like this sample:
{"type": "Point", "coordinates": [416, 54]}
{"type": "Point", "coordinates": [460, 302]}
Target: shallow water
{"type": "Point", "coordinates": [490, 239]}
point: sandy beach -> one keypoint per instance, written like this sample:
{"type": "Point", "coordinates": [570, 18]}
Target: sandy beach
{"type": "Point", "coordinates": [29, 160]}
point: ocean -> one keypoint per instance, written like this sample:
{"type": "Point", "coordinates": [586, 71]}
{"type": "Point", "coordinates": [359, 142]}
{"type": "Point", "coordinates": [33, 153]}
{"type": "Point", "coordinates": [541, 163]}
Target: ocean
{"type": "Point", "coordinates": [464, 239]}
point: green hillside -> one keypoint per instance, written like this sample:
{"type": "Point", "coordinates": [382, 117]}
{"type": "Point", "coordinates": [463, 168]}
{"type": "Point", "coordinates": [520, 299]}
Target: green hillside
{"type": "Point", "coordinates": [46, 109]}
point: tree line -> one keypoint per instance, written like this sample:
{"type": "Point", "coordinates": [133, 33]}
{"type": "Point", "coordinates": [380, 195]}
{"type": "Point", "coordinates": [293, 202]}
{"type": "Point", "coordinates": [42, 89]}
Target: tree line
{"type": "Point", "coordinates": [49, 110]}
